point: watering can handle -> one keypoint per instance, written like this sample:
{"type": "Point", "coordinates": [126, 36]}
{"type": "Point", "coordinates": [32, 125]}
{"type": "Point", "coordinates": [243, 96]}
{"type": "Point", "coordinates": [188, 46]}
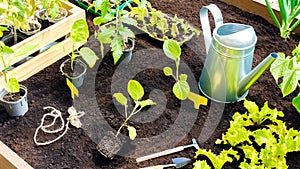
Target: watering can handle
{"type": "Point", "coordinates": [217, 15]}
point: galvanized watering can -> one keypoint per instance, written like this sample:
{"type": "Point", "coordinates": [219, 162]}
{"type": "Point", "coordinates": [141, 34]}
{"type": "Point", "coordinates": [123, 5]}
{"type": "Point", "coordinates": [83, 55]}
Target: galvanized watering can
{"type": "Point", "coordinates": [227, 75]}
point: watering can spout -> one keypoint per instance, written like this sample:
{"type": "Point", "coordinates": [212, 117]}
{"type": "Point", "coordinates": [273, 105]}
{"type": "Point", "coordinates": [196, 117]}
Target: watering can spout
{"type": "Point", "coordinates": [252, 76]}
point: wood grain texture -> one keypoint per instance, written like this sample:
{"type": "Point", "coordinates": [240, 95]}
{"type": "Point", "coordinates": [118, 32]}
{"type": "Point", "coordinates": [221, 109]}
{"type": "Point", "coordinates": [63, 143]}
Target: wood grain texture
{"type": "Point", "coordinates": [10, 160]}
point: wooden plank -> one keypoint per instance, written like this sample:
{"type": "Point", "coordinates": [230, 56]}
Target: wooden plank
{"type": "Point", "coordinates": [10, 160]}
{"type": "Point", "coordinates": [257, 7]}
{"type": "Point", "coordinates": [42, 39]}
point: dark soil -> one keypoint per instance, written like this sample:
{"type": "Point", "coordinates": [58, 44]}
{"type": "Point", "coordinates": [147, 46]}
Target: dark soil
{"type": "Point", "coordinates": [78, 69]}
{"type": "Point", "coordinates": [14, 96]}
{"type": "Point", "coordinates": [168, 124]}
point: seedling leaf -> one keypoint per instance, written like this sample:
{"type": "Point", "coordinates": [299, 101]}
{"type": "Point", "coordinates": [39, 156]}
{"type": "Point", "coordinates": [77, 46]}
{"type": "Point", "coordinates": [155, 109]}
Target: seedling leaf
{"type": "Point", "coordinates": [79, 31]}
{"type": "Point", "coordinates": [296, 102]}
{"type": "Point", "coordinates": [12, 86]}
{"type": "Point", "coordinates": [183, 77]}
{"type": "Point", "coordinates": [145, 103]}
{"type": "Point", "coordinates": [181, 89]}
{"type": "Point", "coordinates": [135, 90]}
{"type": "Point", "coordinates": [132, 132]}
{"type": "Point", "coordinates": [168, 71]}
{"type": "Point", "coordinates": [88, 56]}
{"type": "Point", "coordinates": [121, 98]}
{"type": "Point", "coordinates": [172, 49]}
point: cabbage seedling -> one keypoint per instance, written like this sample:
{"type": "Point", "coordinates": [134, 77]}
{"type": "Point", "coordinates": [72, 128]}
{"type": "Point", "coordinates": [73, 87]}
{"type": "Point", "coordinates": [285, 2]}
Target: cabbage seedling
{"type": "Point", "coordinates": [136, 92]}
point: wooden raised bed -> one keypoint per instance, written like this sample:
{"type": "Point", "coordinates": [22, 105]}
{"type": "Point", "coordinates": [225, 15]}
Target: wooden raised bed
{"type": "Point", "coordinates": [10, 160]}
{"type": "Point", "coordinates": [258, 7]}
{"type": "Point", "coordinates": [51, 34]}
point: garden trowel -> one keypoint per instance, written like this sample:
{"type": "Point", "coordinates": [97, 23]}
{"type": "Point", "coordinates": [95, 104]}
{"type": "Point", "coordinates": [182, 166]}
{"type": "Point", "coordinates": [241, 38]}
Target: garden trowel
{"type": "Point", "coordinates": [177, 163]}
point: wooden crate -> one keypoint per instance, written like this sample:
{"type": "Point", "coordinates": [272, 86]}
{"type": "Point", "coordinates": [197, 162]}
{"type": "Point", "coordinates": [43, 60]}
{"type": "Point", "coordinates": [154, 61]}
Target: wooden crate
{"type": "Point", "coordinates": [258, 7]}
{"type": "Point", "coordinates": [51, 34]}
{"type": "Point", "coordinates": [10, 160]}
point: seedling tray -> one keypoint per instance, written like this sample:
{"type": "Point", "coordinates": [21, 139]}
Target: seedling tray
{"type": "Point", "coordinates": [10, 160]}
{"type": "Point", "coordinates": [258, 7]}
{"type": "Point", "coordinates": [59, 31]}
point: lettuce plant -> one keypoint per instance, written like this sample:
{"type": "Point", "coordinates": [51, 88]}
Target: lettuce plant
{"type": "Point", "coordinates": [289, 11]}
{"type": "Point", "coordinates": [181, 88]}
{"type": "Point", "coordinates": [263, 138]}
{"type": "Point", "coordinates": [288, 68]}
{"type": "Point", "coordinates": [136, 92]}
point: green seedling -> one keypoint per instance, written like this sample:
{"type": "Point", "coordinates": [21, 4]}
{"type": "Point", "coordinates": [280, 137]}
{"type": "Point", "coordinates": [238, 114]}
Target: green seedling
{"type": "Point", "coordinates": [79, 35]}
{"type": "Point", "coordinates": [288, 68]}
{"type": "Point", "coordinates": [160, 25]}
{"type": "Point", "coordinates": [7, 55]}
{"type": "Point", "coordinates": [289, 12]}
{"type": "Point", "coordinates": [52, 7]}
{"type": "Point", "coordinates": [115, 34]}
{"type": "Point", "coordinates": [16, 13]}
{"type": "Point", "coordinates": [136, 92]}
{"type": "Point", "coordinates": [181, 88]}
{"type": "Point", "coordinates": [270, 141]}
{"type": "Point", "coordinates": [218, 161]}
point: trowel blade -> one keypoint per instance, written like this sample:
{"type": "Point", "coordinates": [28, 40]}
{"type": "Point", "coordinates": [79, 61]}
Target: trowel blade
{"type": "Point", "coordinates": [180, 162]}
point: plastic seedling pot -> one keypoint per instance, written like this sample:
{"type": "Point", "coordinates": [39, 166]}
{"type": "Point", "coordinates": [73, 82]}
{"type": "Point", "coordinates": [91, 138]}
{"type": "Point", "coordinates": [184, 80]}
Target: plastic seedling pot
{"type": "Point", "coordinates": [80, 69]}
{"type": "Point", "coordinates": [15, 108]}
{"type": "Point", "coordinates": [127, 54]}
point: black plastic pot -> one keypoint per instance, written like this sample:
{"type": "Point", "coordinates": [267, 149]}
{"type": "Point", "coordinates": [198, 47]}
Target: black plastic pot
{"type": "Point", "coordinates": [9, 41]}
{"type": "Point", "coordinates": [15, 108]}
{"type": "Point", "coordinates": [41, 17]}
{"type": "Point", "coordinates": [127, 54]}
{"type": "Point", "coordinates": [32, 23]}
{"type": "Point", "coordinates": [62, 15]}
{"type": "Point", "coordinates": [76, 80]}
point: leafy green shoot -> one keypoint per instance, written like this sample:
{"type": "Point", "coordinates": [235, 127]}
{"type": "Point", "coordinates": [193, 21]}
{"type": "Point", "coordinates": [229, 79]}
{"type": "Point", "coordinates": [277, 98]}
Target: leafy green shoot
{"type": "Point", "coordinates": [218, 161]}
{"type": "Point", "coordinates": [181, 88]}
{"type": "Point", "coordinates": [289, 12]}
{"type": "Point", "coordinates": [7, 55]}
{"type": "Point", "coordinates": [262, 136]}
{"type": "Point", "coordinates": [116, 34]}
{"type": "Point", "coordinates": [287, 68]}
{"type": "Point", "coordinates": [136, 92]}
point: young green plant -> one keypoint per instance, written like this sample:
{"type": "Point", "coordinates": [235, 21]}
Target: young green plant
{"type": "Point", "coordinates": [181, 88]}
{"type": "Point", "coordinates": [288, 68]}
{"type": "Point", "coordinates": [16, 13]}
{"type": "Point", "coordinates": [114, 32]}
{"type": "Point", "coordinates": [7, 55]}
{"type": "Point", "coordinates": [160, 25]}
{"type": "Point", "coordinates": [79, 35]}
{"type": "Point", "coordinates": [289, 12]}
{"type": "Point", "coordinates": [262, 137]}
{"type": "Point", "coordinates": [136, 92]}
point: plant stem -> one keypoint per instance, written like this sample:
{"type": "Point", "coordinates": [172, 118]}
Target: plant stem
{"type": "Point", "coordinates": [127, 118]}
{"type": "Point", "coordinates": [5, 69]}
{"type": "Point", "coordinates": [177, 68]}
{"type": "Point", "coordinates": [72, 58]}
{"type": "Point", "coordinates": [15, 32]}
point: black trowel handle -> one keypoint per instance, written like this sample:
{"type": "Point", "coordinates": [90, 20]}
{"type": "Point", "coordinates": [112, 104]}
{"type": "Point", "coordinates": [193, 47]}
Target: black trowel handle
{"type": "Point", "coordinates": [159, 154]}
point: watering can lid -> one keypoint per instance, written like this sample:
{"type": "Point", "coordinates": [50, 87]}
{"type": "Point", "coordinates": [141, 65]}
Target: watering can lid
{"type": "Point", "coordinates": [235, 35]}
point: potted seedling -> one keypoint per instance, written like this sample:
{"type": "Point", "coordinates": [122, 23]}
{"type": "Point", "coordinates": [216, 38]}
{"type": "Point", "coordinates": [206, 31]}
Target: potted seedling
{"type": "Point", "coordinates": [50, 11]}
{"type": "Point", "coordinates": [33, 27]}
{"type": "Point", "coordinates": [73, 68]}
{"type": "Point", "coordinates": [114, 32]}
{"type": "Point", "coordinates": [15, 13]}
{"type": "Point", "coordinates": [12, 94]}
